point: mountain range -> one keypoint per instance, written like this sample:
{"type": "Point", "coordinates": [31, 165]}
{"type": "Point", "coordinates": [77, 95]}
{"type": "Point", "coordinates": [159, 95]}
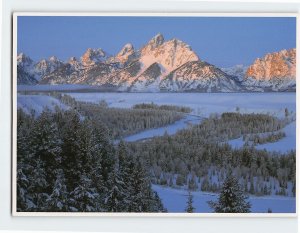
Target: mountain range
{"type": "Point", "coordinates": [161, 65]}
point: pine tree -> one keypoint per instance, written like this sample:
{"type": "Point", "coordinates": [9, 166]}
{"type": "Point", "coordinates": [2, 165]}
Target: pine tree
{"type": "Point", "coordinates": [114, 200]}
{"type": "Point", "coordinates": [144, 199]}
{"type": "Point", "coordinates": [192, 185]}
{"type": "Point", "coordinates": [231, 199]}
{"type": "Point", "coordinates": [59, 198]}
{"type": "Point", "coordinates": [46, 145]}
{"type": "Point", "coordinates": [71, 148]}
{"type": "Point", "coordinates": [190, 208]}
{"type": "Point", "coordinates": [126, 166]}
{"type": "Point", "coordinates": [84, 195]}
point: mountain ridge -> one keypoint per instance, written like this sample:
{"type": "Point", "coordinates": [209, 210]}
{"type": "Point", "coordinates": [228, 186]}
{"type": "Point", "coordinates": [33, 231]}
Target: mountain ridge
{"type": "Point", "coordinates": [161, 65]}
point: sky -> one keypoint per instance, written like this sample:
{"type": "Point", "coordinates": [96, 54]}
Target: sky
{"type": "Point", "coordinates": [222, 41]}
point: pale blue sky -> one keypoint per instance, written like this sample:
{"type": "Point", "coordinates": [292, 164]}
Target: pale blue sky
{"type": "Point", "coordinates": [222, 41]}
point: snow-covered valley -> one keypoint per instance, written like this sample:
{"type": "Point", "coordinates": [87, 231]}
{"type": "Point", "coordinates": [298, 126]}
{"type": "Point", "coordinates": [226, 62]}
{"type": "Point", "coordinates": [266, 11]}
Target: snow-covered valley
{"type": "Point", "coordinates": [203, 105]}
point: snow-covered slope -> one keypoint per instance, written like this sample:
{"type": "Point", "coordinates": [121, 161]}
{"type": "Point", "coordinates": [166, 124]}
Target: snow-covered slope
{"type": "Point", "coordinates": [237, 71]}
{"type": "Point", "coordinates": [38, 103]}
{"type": "Point", "coordinates": [199, 76]}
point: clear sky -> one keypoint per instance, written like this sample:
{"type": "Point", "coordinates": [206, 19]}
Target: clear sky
{"type": "Point", "coordinates": [222, 41]}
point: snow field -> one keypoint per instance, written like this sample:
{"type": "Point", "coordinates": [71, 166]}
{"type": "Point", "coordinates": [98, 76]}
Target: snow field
{"type": "Point", "coordinates": [175, 201]}
{"type": "Point", "coordinates": [203, 104]}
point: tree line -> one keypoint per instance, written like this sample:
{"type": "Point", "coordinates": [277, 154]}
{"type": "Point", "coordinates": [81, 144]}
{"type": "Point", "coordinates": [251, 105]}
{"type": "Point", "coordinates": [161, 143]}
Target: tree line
{"type": "Point", "coordinates": [198, 159]}
{"type": "Point", "coordinates": [122, 122]}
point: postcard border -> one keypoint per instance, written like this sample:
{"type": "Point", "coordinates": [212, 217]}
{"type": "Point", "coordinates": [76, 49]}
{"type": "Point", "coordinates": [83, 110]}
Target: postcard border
{"type": "Point", "coordinates": [15, 213]}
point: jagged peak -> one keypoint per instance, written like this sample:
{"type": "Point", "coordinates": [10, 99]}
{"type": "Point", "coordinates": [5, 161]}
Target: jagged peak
{"type": "Point", "coordinates": [263, 68]}
{"type": "Point", "coordinates": [98, 51]}
{"type": "Point", "coordinates": [127, 48]}
{"type": "Point", "coordinates": [21, 55]}
{"type": "Point", "coordinates": [92, 56]}
{"type": "Point", "coordinates": [156, 41]}
{"type": "Point", "coordinates": [72, 59]}
{"type": "Point", "coordinates": [53, 59]}
{"type": "Point", "coordinates": [23, 58]}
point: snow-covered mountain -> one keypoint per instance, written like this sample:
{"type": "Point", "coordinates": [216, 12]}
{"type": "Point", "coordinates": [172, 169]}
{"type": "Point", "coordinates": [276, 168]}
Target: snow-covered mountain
{"type": "Point", "coordinates": [274, 72]}
{"type": "Point", "coordinates": [168, 54]}
{"type": "Point", "coordinates": [199, 76]}
{"type": "Point", "coordinates": [45, 67]}
{"type": "Point", "coordinates": [161, 65]}
{"type": "Point", "coordinates": [237, 71]}
{"type": "Point", "coordinates": [25, 70]}
{"type": "Point", "coordinates": [94, 56]}
{"type": "Point", "coordinates": [126, 55]}
{"type": "Point", "coordinates": [30, 72]}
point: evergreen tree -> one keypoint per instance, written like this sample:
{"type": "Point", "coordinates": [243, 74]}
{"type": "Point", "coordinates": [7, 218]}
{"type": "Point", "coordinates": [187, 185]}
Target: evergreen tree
{"type": "Point", "coordinates": [143, 198]}
{"type": "Point", "coordinates": [192, 185]}
{"type": "Point", "coordinates": [59, 198]}
{"type": "Point", "coordinates": [190, 208]}
{"type": "Point", "coordinates": [46, 145]}
{"type": "Point", "coordinates": [84, 195]}
{"type": "Point", "coordinates": [116, 195]}
{"type": "Point", "coordinates": [231, 199]}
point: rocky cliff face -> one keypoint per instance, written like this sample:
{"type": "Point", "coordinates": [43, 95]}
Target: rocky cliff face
{"type": "Point", "coordinates": [275, 71]}
{"type": "Point", "coordinates": [93, 56]}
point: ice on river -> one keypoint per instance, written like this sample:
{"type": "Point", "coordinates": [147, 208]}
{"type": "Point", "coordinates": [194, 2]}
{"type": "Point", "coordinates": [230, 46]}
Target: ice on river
{"type": "Point", "coordinates": [169, 129]}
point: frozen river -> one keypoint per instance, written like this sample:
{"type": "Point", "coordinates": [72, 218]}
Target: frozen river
{"type": "Point", "coordinates": [169, 129]}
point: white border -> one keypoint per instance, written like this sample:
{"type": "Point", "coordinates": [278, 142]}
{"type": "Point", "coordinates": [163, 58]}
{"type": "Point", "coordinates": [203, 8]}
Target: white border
{"type": "Point", "coordinates": [108, 214]}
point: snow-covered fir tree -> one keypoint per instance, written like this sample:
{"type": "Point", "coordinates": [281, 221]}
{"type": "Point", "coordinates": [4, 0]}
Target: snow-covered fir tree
{"type": "Point", "coordinates": [231, 199]}
{"type": "Point", "coordinates": [189, 204]}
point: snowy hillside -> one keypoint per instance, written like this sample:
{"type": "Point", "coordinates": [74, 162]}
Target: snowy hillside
{"type": "Point", "coordinates": [199, 76]}
{"type": "Point", "coordinates": [38, 103]}
{"type": "Point", "coordinates": [237, 71]}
